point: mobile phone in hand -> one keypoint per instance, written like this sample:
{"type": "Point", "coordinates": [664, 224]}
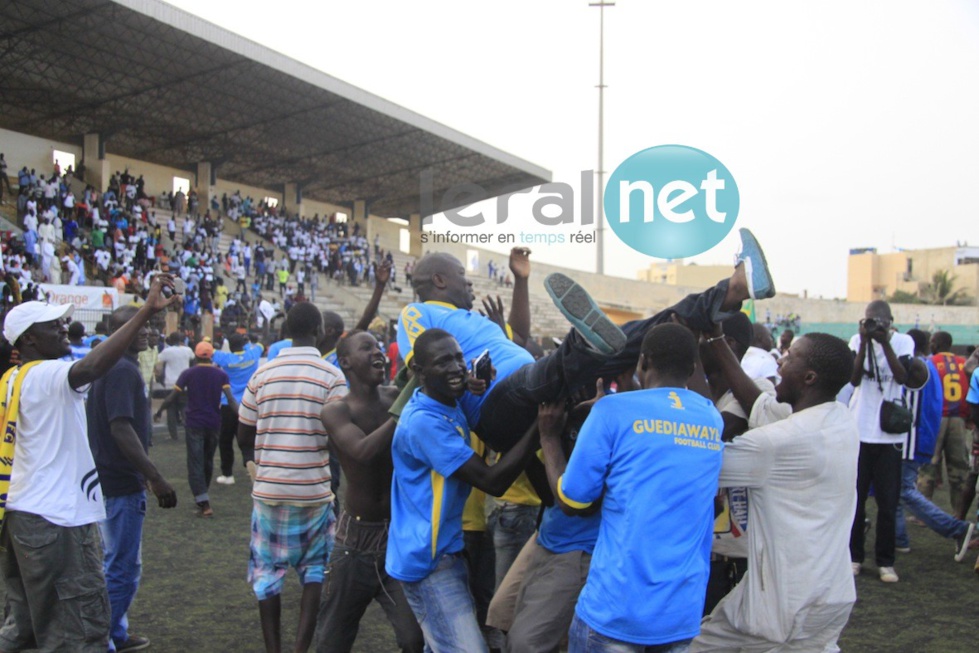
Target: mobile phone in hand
{"type": "Point", "coordinates": [482, 367]}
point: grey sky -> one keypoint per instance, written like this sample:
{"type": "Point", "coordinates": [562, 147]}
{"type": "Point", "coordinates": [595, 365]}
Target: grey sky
{"type": "Point", "coordinates": [845, 124]}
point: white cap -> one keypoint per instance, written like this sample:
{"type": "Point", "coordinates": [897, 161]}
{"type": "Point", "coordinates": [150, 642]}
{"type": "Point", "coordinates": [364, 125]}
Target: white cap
{"type": "Point", "coordinates": [23, 316]}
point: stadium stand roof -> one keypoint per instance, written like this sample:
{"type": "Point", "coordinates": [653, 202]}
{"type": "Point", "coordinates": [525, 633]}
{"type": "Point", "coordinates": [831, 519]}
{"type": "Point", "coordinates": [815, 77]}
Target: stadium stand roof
{"type": "Point", "coordinates": [164, 86]}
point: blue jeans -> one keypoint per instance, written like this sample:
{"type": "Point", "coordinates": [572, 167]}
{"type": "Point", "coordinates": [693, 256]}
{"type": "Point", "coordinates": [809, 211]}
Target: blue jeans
{"type": "Point", "coordinates": [582, 638]}
{"type": "Point", "coordinates": [122, 533]}
{"type": "Point", "coordinates": [201, 445]}
{"type": "Point", "coordinates": [512, 525]}
{"type": "Point", "coordinates": [445, 610]}
{"type": "Point", "coordinates": [933, 517]}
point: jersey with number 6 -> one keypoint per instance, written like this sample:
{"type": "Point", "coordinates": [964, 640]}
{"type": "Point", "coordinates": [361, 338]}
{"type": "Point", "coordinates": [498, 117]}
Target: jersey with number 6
{"type": "Point", "coordinates": [955, 384]}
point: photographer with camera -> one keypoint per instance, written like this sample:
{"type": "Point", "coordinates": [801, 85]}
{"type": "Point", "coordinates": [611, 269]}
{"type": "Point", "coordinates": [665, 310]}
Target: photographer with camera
{"type": "Point", "coordinates": [884, 363]}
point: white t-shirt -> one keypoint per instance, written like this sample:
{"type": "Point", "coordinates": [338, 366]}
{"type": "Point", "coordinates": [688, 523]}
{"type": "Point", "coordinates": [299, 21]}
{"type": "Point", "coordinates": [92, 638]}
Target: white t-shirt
{"type": "Point", "coordinates": [866, 400]}
{"type": "Point", "coordinates": [758, 363]}
{"type": "Point", "coordinates": [54, 474]}
{"type": "Point", "coordinates": [176, 360]}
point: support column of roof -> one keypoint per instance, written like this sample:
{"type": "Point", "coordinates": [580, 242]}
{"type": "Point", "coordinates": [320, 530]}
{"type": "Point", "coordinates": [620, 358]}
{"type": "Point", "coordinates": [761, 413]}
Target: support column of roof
{"type": "Point", "coordinates": [414, 233]}
{"type": "Point", "coordinates": [206, 178]}
{"type": "Point", "coordinates": [96, 165]}
{"type": "Point", "coordinates": [359, 215]}
{"type": "Point", "coordinates": [292, 196]}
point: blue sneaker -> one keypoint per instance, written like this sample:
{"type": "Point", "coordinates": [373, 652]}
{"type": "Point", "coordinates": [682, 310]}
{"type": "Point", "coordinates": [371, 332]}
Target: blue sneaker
{"type": "Point", "coordinates": [582, 311]}
{"type": "Point", "coordinates": [760, 283]}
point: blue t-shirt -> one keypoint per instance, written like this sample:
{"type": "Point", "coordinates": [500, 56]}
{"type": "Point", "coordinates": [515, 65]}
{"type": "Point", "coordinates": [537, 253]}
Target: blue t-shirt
{"type": "Point", "coordinates": [117, 395]}
{"type": "Point", "coordinates": [331, 358]}
{"type": "Point", "coordinates": [276, 347]}
{"type": "Point", "coordinates": [973, 396]}
{"type": "Point", "coordinates": [928, 403]}
{"type": "Point", "coordinates": [656, 453]}
{"type": "Point", "coordinates": [430, 443]}
{"type": "Point", "coordinates": [79, 351]}
{"type": "Point", "coordinates": [89, 341]}
{"type": "Point", "coordinates": [239, 366]}
{"type": "Point", "coordinates": [561, 533]}
{"type": "Point", "coordinates": [474, 333]}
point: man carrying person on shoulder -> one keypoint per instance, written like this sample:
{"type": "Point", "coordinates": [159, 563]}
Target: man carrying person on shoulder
{"type": "Point", "coordinates": [434, 470]}
{"type": "Point", "coordinates": [652, 456]}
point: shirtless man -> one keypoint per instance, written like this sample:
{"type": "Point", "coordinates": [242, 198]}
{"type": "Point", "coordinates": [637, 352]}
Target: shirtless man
{"type": "Point", "coordinates": [356, 574]}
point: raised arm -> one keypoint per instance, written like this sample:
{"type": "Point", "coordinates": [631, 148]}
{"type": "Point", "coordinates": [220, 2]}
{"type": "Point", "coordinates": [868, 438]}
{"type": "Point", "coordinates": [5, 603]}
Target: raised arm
{"type": "Point", "coordinates": [743, 388]}
{"type": "Point", "coordinates": [519, 319]}
{"type": "Point", "coordinates": [381, 277]}
{"type": "Point", "coordinates": [350, 439]}
{"type": "Point", "coordinates": [101, 359]}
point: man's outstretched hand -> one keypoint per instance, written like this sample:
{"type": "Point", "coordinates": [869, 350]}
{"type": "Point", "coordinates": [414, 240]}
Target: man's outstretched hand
{"type": "Point", "coordinates": [383, 273]}
{"type": "Point", "coordinates": [156, 300]}
{"type": "Point", "coordinates": [520, 262]}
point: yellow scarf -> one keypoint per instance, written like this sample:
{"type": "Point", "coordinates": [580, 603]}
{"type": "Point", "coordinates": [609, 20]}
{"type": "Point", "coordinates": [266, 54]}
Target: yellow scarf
{"type": "Point", "coordinates": [8, 421]}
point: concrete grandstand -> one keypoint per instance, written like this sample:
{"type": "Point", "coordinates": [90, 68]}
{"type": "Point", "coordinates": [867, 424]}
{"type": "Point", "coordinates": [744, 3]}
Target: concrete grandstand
{"type": "Point", "coordinates": [175, 98]}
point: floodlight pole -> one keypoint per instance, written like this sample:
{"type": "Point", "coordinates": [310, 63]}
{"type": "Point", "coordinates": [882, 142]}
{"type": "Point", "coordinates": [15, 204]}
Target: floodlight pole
{"type": "Point", "coordinates": [600, 209]}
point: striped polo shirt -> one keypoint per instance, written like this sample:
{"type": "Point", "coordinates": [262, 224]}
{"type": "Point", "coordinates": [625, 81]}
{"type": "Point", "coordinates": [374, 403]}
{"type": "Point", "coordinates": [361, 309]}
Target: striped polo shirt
{"type": "Point", "coordinates": [283, 401]}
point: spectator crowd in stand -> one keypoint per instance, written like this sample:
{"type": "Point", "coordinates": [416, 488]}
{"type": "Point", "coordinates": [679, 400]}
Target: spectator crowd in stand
{"type": "Point", "coordinates": [646, 477]}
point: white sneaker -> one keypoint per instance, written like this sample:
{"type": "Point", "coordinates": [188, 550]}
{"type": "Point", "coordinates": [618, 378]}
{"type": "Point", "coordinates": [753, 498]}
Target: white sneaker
{"type": "Point", "coordinates": [856, 566]}
{"type": "Point", "coordinates": [888, 575]}
{"type": "Point", "coordinates": [229, 480]}
{"type": "Point", "coordinates": [223, 480]}
{"type": "Point", "coordinates": [962, 543]}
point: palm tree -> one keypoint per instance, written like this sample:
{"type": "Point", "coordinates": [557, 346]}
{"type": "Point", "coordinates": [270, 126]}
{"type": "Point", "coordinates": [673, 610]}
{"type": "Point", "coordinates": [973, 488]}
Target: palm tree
{"type": "Point", "coordinates": [940, 290]}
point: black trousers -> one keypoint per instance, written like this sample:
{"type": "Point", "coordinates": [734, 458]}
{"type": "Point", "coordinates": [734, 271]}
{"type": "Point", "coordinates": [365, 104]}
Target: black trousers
{"type": "Point", "coordinates": [510, 408]}
{"type": "Point", "coordinates": [226, 440]}
{"type": "Point", "coordinates": [880, 465]}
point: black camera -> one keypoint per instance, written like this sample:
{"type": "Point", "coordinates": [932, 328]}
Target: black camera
{"type": "Point", "coordinates": [871, 324]}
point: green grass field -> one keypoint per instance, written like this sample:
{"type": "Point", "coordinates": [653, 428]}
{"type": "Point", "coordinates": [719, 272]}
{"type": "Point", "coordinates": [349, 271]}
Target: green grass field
{"type": "Point", "coordinates": [194, 596]}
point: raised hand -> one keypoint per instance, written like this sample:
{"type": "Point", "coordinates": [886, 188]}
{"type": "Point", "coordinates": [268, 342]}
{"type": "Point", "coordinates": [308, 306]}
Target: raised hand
{"type": "Point", "coordinates": [383, 273]}
{"type": "Point", "coordinates": [520, 262]}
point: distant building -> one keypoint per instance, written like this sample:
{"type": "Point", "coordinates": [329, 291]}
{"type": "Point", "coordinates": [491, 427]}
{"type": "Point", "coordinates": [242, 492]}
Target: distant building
{"type": "Point", "coordinates": [676, 273]}
{"type": "Point", "coordinates": [873, 276]}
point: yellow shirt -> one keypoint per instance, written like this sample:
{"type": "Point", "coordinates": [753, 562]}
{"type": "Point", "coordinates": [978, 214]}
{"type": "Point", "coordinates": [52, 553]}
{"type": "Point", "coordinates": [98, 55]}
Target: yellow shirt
{"type": "Point", "coordinates": [474, 513]}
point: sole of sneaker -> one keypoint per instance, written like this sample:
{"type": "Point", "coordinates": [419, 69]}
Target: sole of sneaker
{"type": "Point", "coordinates": [963, 547]}
{"type": "Point", "coordinates": [583, 313]}
{"type": "Point", "coordinates": [760, 282]}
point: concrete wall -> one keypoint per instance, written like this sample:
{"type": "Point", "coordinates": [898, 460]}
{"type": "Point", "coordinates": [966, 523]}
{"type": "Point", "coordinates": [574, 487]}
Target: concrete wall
{"type": "Point", "coordinates": [35, 152]}
{"type": "Point", "coordinates": [640, 297]}
{"type": "Point", "coordinates": [677, 273]}
{"type": "Point", "coordinates": [23, 150]}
